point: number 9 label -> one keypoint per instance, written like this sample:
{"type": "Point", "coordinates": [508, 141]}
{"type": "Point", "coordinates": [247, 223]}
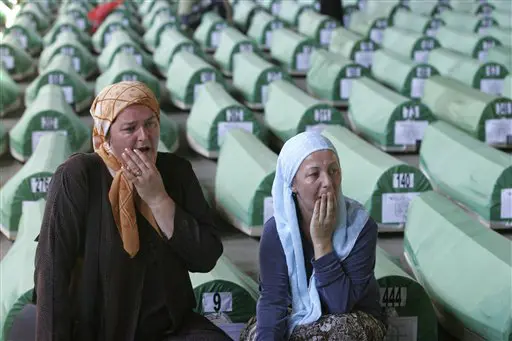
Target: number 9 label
{"type": "Point", "coordinates": [216, 302]}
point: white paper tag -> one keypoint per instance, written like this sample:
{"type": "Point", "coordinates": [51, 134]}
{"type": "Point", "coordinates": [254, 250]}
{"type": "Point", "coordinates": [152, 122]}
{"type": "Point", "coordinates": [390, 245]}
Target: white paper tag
{"type": "Point", "coordinates": [68, 93]}
{"type": "Point", "coordinates": [325, 36]}
{"type": "Point", "coordinates": [317, 127]}
{"type": "Point", "coordinates": [393, 297]}
{"type": "Point", "coordinates": [482, 56]}
{"type": "Point", "coordinates": [216, 302]}
{"type": "Point", "coordinates": [264, 94]}
{"type": "Point", "coordinates": [421, 56]}
{"type": "Point", "coordinates": [26, 204]}
{"type": "Point", "coordinates": [138, 58]}
{"type": "Point", "coordinates": [276, 8]}
{"type": "Point", "coordinates": [23, 39]}
{"type": "Point", "coordinates": [498, 130]}
{"type": "Point", "coordinates": [403, 180]}
{"type": "Point", "coordinates": [402, 328]}
{"type": "Point", "coordinates": [224, 127]}
{"type": "Point", "coordinates": [129, 77]}
{"type": "Point", "coordinates": [377, 35]}
{"type": "Point", "coordinates": [417, 87]}
{"type": "Point", "coordinates": [268, 38]}
{"type": "Point", "coordinates": [268, 209]}
{"type": "Point", "coordinates": [302, 61]}
{"type": "Point", "coordinates": [8, 61]}
{"type": "Point", "coordinates": [364, 58]}
{"type": "Point", "coordinates": [37, 134]}
{"type": "Point", "coordinates": [506, 203]}
{"type": "Point", "coordinates": [215, 38]}
{"type": "Point", "coordinates": [492, 86]}
{"type": "Point", "coordinates": [76, 63]}
{"type": "Point", "coordinates": [197, 90]}
{"type": "Point", "coordinates": [107, 38]}
{"type": "Point", "coordinates": [40, 184]}
{"type": "Point", "coordinates": [394, 206]}
{"type": "Point", "coordinates": [49, 123]}
{"type": "Point", "coordinates": [409, 132]}
{"type": "Point", "coordinates": [345, 88]}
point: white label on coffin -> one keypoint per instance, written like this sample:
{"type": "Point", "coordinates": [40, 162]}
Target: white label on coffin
{"type": "Point", "coordinates": [68, 93]}
{"type": "Point", "coordinates": [264, 94]}
{"type": "Point", "coordinates": [268, 209]}
{"type": "Point", "coordinates": [76, 64]}
{"type": "Point", "coordinates": [364, 58]}
{"type": "Point", "coordinates": [377, 35]}
{"type": "Point", "coordinates": [492, 86]}
{"type": "Point", "coordinates": [215, 38]}
{"type": "Point", "coordinates": [25, 204]}
{"type": "Point", "coordinates": [394, 206]}
{"type": "Point", "coordinates": [268, 38]}
{"type": "Point", "coordinates": [40, 184]}
{"type": "Point", "coordinates": [403, 180]}
{"type": "Point", "coordinates": [325, 36]}
{"type": "Point", "coordinates": [80, 23]}
{"type": "Point", "coordinates": [8, 61]}
{"type": "Point", "coordinates": [393, 297]}
{"type": "Point", "coordinates": [482, 56]}
{"type": "Point", "coordinates": [421, 56]}
{"type": "Point", "coordinates": [402, 328]}
{"type": "Point", "coordinates": [345, 88]}
{"type": "Point", "coordinates": [506, 203]}
{"type": "Point", "coordinates": [417, 87]}
{"type": "Point", "coordinates": [138, 58]}
{"type": "Point", "coordinates": [408, 132]}
{"type": "Point", "coordinates": [498, 130]}
{"type": "Point", "coordinates": [216, 302]}
{"type": "Point", "coordinates": [317, 127]}
{"type": "Point", "coordinates": [106, 38]}
{"type": "Point", "coordinates": [303, 61]}
{"type": "Point", "coordinates": [129, 77]}
{"type": "Point", "coordinates": [276, 7]}
{"type": "Point", "coordinates": [37, 134]}
{"type": "Point", "coordinates": [431, 32]}
{"type": "Point", "coordinates": [224, 127]}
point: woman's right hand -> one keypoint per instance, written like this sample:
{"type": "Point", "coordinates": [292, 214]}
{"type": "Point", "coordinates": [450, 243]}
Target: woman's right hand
{"type": "Point", "coordinates": [323, 223]}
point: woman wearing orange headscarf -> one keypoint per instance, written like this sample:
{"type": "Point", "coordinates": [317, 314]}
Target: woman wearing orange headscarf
{"type": "Point", "coordinates": [123, 226]}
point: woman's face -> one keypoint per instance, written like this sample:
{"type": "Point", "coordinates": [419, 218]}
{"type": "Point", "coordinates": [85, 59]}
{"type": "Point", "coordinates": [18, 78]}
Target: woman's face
{"type": "Point", "coordinates": [136, 127]}
{"type": "Point", "coordinates": [318, 174]}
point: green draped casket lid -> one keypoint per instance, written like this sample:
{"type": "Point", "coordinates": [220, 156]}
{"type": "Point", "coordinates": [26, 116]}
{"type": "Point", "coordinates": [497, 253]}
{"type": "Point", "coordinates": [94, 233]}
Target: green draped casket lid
{"type": "Point", "coordinates": [486, 77]}
{"type": "Point", "coordinates": [185, 77]}
{"type": "Point", "coordinates": [231, 43]}
{"type": "Point", "coordinates": [226, 290]}
{"type": "Point", "coordinates": [172, 42]}
{"type": "Point", "coordinates": [475, 8]}
{"type": "Point", "coordinates": [371, 27]}
{"type": "Point", "coordinates": [128, 19]}
{"type": "Point", "coordinates": [4, 137]}
{"type": "Point", "coordinates": [61, 72]}
{"type": "Point", "coordinates": [153, 36]}
{"type": "Point", "coordinates": [34, 13]}
{"type": "Point", "coordinates": [290, 111]}
{"type": "Point", "coordinates": [83, 4]}
{"type": "Point", "coordinates": [502, 17]}
{"type": "Point", "coordinates": [501, 34]}
{"type": "Point", "coordinates": [208, 32]}
{"type": "Point", "coordinates": [400, 73]}
{"type": "Point", "coordinates": [103, 34]}
{"type": "Point", "coordinates": [169, 133]}
{"type": "Point", "coordinates": [18, 63]}
{"type": "Point", "coordinates": [290, 12]}
{"type": "Point", "coordinates": [501, 54]}
{"type": "Point", "coordinates": [353, 46]}
{"type": "Point", "coordinates": [389, 120]}
{"type": "Point", "coordinates": [485, 117]}
{"type": "Point", "coordinates": [10, 96]}
{"type": "Point", "coordinates": [213, 114]}
{"type": "Point", "coordinates": [67, 43]}
{"type": "Point", "coordinates": [292, 50]}
{"type": "Point", "coordinates": [262, 27]}
{"type": "Point", "coordinates": [466, 22]}
{"type": "Point", "coordinates": [79, 14]}
{"type": "Point", "coordinates": [452, 249]}
{"type": "Point", "coordinates": [66, 24]}
{"type": "Point", "coordinates": [251, 77]}
{"type": "Point", "coordinates": [407, 305]}
{"type": "Point", "coordinates": [428, 8]}
{"type": "Point", "coordinates": [29, 39]}
{"type": "Point", "coordinates": [125, 68]}
{"type": "Point", "coordinates": [243, 13]}
{"type": "Point", "coordinates": [469, 171]}
{"type": "Point", "coordinates": [330, 76]}
{"type": "Point", "coordinates": [507, 89]}
{"type": "Point", "coordinates": [466, 43]}
{"type": "Point", "coordinates": [48, 113]}
{"type": "Point", "coordinates": [417, 23]}
{"type": "Point", "coordinates": [384, 9]}
{"type": "Point", "coordinates": [145, 7]}
{"type": "Point", "coordinates": [17, 267]}
{"type": "Point", "coordinates": [31, 182]}
{"type": "Point", "coordinates": [272, 6]}
{"type": "Point", "coordinates": [411, 45]}
{"type": "Point", "coordinates": [317, 26]}
{"type": "Point", "coordinates": [122, 42]}
{"type": "Point", "coordinates": [382, 183]}
{"type": "Point", "coordinates": [244, 195]}
{"type": "Point", "coordinates": [160, 9]}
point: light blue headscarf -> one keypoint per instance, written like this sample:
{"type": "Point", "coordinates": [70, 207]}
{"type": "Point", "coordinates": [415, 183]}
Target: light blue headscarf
{"type": "Point", "coordinates": [352, 217]}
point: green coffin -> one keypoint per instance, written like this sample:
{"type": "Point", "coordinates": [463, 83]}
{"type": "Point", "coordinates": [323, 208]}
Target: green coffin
{"type": "Point", "coordinates": [252, 75]}
{"type": "Point", "coordinates": [507, 89]}
{"type": "Point", "coordinates": [485, 117]}
{"type": "Point", "coordinates": [245, 197]}
{"type": "Point", "coordinates": [18, 63]}
{"type": "Point", "coordinates": [415, 46]}
{"type": "Point", "coordinates": [122, 43]}
{"type": "Point", "coordinates": [382, 183]}
{"type": "Point", "coordinates": [273, 7]}
{"type": "Point", "coordinates": [34, 13]}
{"type": "Point", "coordinates": [172, 42]}
{"type": "Point", "coordinates": [243, 13]}
{"type": "Point", "coordinates": [66, 43]}
{"type": "Point", "coordinates": [407, 305]}
{"type": "Point", "coordinates": [61, 72]}
{"type": "Point", "coordinates": [66, 24]}
{"type": "Point", "coordinates": [371, 27]}
{"type": "Point", "coordinates": [145, 7]}
{"type": "Point", "coordinates": [502, 17]}
{"type": "Point", "coordinates": [290, 12]}
{"type": "Point", "coordinates": [232, 42]}
{"type": "Point", "coordinates": [401, 73]}
{"type": "Point", "coordinates": [128, 20]}
{"type": "Point", "coordinates": [389, 120]}
{"type": "Point", "coordinates": [31, 182]}
{"type": "Point", "coordinates": [153, 36]}
{"type": "Point", "coordinates": [428, 8]}
{"type": "Point", "coordinates": [10, 96]}
{"type": "Point", "coordinates": [500, 5]}
{"type": "Point", "coordinates": [454, 248]}
{"type": "Point", "coordinates": [330, 76]}
{"type": "Point", "coordinates": [29, 39]}
{"type": "Point", "coordinates": [208, 32]}
{"type": "Point", "coordinates": [292, 50]}
{"type": "Point", "coordinates": [290, 111]}
{"type": "Point", "coordinates": [4, 138]}
{"type": "Point", "coordinates": [186, 75]}
{"type": "Point", "coordinates": [353, 46]}
{"type": "Point", "coordinates": [79, 14]}
{"type": "Point", "coordinates": [169, 133]}
{"type": "Point", "coordinates": [317, 26]}
{"type": "Point", "coordinates": [161, 9]}
{"type": "Point", "coordinates": [262, 27]}
{"type": "Point", "coordinates": [213, 115]}
{"type": "Point", "coordinates": [82, 4]}
{"type": "Point", "coordinates": [475, 8]}
{"type": "Point", "coordinates": [417, 23]}
{"type": "Point", "coordinates": [501, 55]}
{"type": "Point", "coordinates": [466, 43]}
{"type": "Point", "coordinates": [103, 35]}
{"type": "Point", "coordinates": [501, 34]}
{"type": "Point", "coordinates": [385, 9]}
{"type": "Point", "coordinates": [467, 22]}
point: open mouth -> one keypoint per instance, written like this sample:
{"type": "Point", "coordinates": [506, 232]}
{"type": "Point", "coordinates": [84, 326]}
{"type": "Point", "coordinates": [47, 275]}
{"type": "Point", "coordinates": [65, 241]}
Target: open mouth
{"type": "Point", "coordinates": [144, 149]}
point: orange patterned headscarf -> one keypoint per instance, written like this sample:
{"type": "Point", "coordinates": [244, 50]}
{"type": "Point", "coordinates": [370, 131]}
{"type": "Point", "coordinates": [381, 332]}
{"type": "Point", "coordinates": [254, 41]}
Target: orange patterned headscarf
{"type": "Point", "coordinates": [109, 103]}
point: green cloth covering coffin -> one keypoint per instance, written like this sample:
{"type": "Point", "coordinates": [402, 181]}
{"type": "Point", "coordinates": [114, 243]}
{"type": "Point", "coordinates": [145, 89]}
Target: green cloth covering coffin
{"type": "Point", "coordinates": [469, 171]}
{"type": "Point", "coordinates": [385, 9]}
{"type": "Point", "coordinates": [428, 8]}
{"type": "Point", "coordinates": [500, 6]}
{"type": "Point", "coordinates": [49, 112]}
{"type": "Point", "coordinates": [31, 182]}
{"type": "Point", "coordinates": [290, 111]}
{"type": "Point", "coordinates": [185, 77]}
{"type": "Point", "coordinates": [66, 24]}
{"type": "Point", "coordinates": [122, 42]}
{"type": "Point", "coordinates": [466, 43]}
{"type": "Point", "coordinates": [507, 89]}
{"type": "Point", "coordinates": [245, 195]}
{"type": "Point", "coordinates": [407, 305]}
{"type": "Point", "coordinates": [172, 42]}
{"type": "Point", "coordinates": [66, 43]}
{"type": "Point", "coordinates": [18, 63]}
{"type": "Point", "coordinates": [213, 114]}
{"type": "Point", "coordinates": [243, 13]}
{"type": "Point", "coordinates": [317, 26]}
{"type": "Point", "coordinates": [208, 32]}
{"type": "Point", "coordinates": [103, 34]}
{"type": "Point", "coordinates": [400, 73]}
{"type": "Point", "coordinates": [371, 27]}
{"type": "Point", "coordinates": [417, 23]}
{"type": "Point", "coordinates": [475, 8]}
{"type": "Point", "coordinates": [485, 117]}
{"type": "Point", "coordinates": [272, 6]}
{"type": "Point", "coordinates": [82, 4]}
{"type": "Point", "coordinates": [382, 183]}
{"type": "Point", "coordinates": [415, 46]}
{"type": "Point", "coordinates": [330, 76]}
{"type": "Point", "coordinates": [501, 55]}
{"type": "Point", "coordinates": [501, 34]}
{"type": "Point", "coordinates": [32, 11]}
{"type": "Point", "coordinates": [262, 27]}
{"type": "Point", "coordinates": [353, 46]}
{"type": "Point", "coordinates": [455, 248]}
{"type": "Point", "coordinates": [169, 133]}
{"type": "Point", "coordinates": [161, 9]}
{"type": "Point", "coordinates": [290, 12]}
{"type": "Point", "coordinates": [227, 290]}
{"type": "Point", "coordinates": [4, 138]}
{"type": "Point", "coordinates": [61, 72]}
{"type": "Point", "coordinates": [252, 75]}
{"type": "Point", "coordinates": [79, 14]}
{"type": "Point", "coordinates": [30, 40]}
{"type": "Point", "coordinates": [125, 68]}
{"type": "Point", "coordinates": [486, 77]}
{"type": "Point", "coordinates": [153, 36]}
{"type": "Point", "coordinates": [502, 17]}
{"type": "Point", "coordinates": [18, 265]}
{"type": "Point", "coordinates": [145, 7]}
{"type": "Point", "coordinates": [10, 96]}
{"type": "Point", "coordinates": [467, 22]}
{"type": "Point", "coordinates": [128, 21]}
{"type": "Point", "coordinates": [391, 121]}
{"type": "Point", "coordinates": [232, 42]}
{"type": "Point", "coordinates": [292, 50]}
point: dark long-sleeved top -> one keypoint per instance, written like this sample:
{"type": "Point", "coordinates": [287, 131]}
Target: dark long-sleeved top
{"type": "Point", "coordinates": [87, 287]}
{"type": "Point", "coordinates": [343, 287]}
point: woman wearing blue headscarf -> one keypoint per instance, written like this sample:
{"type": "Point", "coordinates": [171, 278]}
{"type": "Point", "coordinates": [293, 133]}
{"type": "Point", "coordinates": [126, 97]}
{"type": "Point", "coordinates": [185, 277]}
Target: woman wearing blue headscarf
{"type": "Point", "coordinates": [317, 254]}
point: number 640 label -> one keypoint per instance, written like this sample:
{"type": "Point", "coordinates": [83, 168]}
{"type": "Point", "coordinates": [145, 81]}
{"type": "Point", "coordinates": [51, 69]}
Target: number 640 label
{"type": "Point", "coordinates": [216, 302]}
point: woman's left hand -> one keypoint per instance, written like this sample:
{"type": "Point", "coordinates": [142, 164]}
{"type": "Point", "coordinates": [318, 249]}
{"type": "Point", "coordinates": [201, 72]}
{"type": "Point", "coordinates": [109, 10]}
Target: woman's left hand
{"type": "Point", "coordinates": [144, 175]}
